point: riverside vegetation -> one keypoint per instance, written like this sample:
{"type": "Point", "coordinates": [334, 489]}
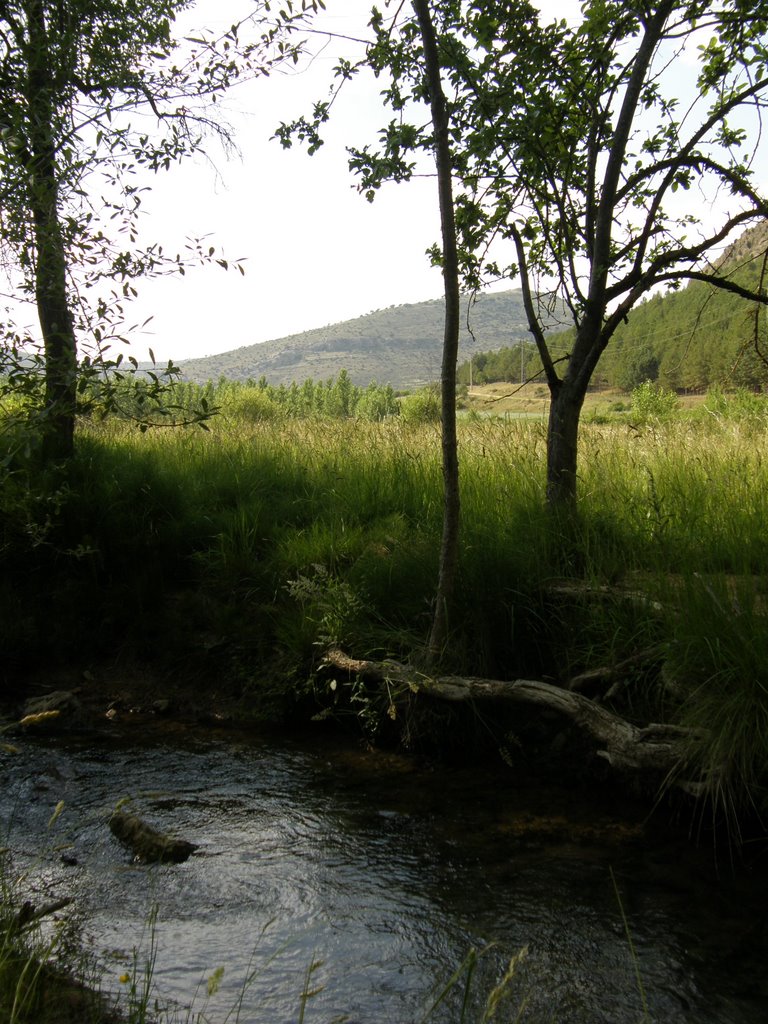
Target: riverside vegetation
{"type": "Point", "coordinates": [232, 558]}
{"type": "Point", "coordinates": [242, 553]}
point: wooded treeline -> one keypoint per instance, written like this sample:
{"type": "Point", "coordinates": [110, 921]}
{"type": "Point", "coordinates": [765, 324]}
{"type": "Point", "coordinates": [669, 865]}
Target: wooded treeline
{"type": "Point", "coordinates": [693, 339]}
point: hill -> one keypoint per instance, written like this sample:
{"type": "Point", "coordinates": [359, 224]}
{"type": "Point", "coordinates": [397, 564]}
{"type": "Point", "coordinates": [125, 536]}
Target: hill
{"type": "Point", "coordinates": [401, 346]}
{"type": "Point", "coordinates": [698, 336]}
{"type": "Point", "coordinates": [689, 339]}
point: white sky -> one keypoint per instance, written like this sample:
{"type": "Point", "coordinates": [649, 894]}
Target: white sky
{"type": "Point", "coordinates": [316, 252]}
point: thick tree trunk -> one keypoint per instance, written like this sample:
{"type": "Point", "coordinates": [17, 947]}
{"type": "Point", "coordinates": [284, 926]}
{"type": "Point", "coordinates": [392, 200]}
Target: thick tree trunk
{"type": "Point", "coordinates": [54, 311]}
{"type": "Point", "coordinates": [449, 547]}
{"type": "Point", "coordinates": [562, 446]}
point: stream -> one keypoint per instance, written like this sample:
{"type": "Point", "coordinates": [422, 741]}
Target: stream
{"type": "Point", "coordinates": [385, 873]}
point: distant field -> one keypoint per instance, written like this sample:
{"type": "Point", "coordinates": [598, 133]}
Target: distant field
{"type": "Point", "coordinates": [532, 400]}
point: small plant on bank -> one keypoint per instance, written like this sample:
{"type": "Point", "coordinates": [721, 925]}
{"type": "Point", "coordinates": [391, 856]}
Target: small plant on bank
{"type": "Point", "coordinates": [45, 977]}
{"type": "Point", "coordinates": [464, 977]}
{"type": "Point", "coordinates": [329, 604]}
{"type": "Point", "coordinates": [718, 659]}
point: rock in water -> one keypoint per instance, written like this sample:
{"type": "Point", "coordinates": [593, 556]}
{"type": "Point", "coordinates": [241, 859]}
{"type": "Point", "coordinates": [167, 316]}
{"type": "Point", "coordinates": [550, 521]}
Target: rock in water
{"type": "Point", "coordinates": [146, 842]}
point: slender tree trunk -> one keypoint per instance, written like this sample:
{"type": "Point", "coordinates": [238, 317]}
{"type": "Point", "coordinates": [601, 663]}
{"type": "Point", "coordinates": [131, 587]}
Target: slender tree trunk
{"type": "Point", "coordinates": [449, 547]}
{"type": "Point", "coordinates": [568, 394]}
{"type": "Point", "coordinates": [567, 401]}
{"type": "Point", "coordinates": [54, 311]}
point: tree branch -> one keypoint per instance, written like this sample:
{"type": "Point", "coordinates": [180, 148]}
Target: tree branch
{"type": "Point", "coordinates": [658, 750]}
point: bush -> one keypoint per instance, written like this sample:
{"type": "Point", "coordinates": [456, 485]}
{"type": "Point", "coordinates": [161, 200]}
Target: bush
{"type": "Point", "coordinates": [252, 405]}
{"type": "Point", "coordinates": [650, 401]}
{"type": "Point", "coordinates": [421, 407]}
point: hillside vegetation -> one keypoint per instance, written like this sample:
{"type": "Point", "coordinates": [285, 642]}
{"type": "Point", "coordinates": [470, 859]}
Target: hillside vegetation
{"type": "Point", "coordinates": [401, 346]}
{"type": "Point", "coordinates": [691, 339]}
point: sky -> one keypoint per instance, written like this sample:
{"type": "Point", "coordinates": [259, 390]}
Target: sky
{"type": "Point", "coordinates": [315, 251]}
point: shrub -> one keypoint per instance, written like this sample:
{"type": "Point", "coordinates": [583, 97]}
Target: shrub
{"type": "Point", "coordinates": [651, 401]}
{"type": "Point", "coordinates": [252, 405]}
{"type": "Point", "coordinates": [421, 407]}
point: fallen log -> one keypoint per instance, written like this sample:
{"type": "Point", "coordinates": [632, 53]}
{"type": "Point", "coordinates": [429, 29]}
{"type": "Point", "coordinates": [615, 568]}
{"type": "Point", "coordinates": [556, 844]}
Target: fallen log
{"type": "Point", "coordinates": [597, 679]}
{"type": "Point", "coordinates": [656, 749]}
{"type": "Point", "coordinates": [146, 843]}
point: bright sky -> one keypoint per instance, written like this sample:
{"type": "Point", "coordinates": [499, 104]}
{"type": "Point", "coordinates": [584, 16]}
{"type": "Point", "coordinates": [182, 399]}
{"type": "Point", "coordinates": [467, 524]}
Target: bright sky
{"type": "Point", "coordinates": [317, 252]}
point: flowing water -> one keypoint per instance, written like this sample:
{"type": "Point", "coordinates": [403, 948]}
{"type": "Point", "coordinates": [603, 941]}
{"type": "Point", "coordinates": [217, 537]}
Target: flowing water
{"type": "Point", "coordinates": [386, 872]}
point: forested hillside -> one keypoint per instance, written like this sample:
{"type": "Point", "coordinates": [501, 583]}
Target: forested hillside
{"type": "Point", "coordinates": [690, 339]}
{"type": "Point", "coordinates": [699, 336]}
{"type": "Point", "coordinates": [401, 345]}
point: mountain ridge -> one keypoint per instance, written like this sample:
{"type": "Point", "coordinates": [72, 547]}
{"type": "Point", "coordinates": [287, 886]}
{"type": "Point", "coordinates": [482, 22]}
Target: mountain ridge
{"type": "Point", "coordinates": [400, 345]}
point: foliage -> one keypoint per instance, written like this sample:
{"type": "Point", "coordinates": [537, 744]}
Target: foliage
{"type": "Point", "coordinates": [651, 401]}
{"type": "Point", "coordinates": [740, 406]}
{"type": "Point", "coordinates": [698, 337]}
{"type": "Point", "coordinates": [505, 364]}
{"type": "Point", "coordinates": [691, 338]}
{"type": "Point", "coordinates": [717, 657]}
{"type": "Point", "coordinates": [336, 397]}
{"type": "Point", "coordinates": [421, 407]}
{"type": "Point", "coordinates": [71, 78]}
{"type": "Point", "coordinates": [330, 605]}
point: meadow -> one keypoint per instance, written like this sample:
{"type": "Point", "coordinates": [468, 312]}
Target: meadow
{"type": "Point", "coordinates": [239, 553]}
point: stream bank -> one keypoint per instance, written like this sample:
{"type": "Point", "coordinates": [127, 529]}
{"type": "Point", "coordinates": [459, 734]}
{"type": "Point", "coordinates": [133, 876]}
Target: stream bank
{"type": "Point", "coordinates": [388, 868]}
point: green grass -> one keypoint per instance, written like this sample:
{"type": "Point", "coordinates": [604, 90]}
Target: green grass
{"type": "Point", "coordinates": [189, 548]}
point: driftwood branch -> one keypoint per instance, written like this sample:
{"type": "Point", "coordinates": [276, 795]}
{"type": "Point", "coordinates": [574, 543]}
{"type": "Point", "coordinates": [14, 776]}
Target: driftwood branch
{"type": "Point", "coordinates": [573, 589]}
{"type": "Point", "coordinates": [655, 749]}
{"type": "Point", "coordinates": [598, 678]}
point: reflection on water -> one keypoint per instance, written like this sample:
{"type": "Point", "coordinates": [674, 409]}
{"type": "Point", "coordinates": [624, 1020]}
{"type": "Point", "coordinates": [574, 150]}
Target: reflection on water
{"type": "Point", "coordinates": [388, 875]}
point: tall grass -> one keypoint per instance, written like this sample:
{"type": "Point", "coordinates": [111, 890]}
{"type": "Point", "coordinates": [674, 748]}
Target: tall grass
{"type": "Point", "coordinates": [45, 976]}
{"type": "Point", "coordinates": [255, 504]}
{"type": "Point", "coordinates": [256, 542]}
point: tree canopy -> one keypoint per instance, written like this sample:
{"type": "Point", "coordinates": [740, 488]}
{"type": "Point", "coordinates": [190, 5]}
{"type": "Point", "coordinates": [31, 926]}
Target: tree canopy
{"type": "Point", "coordinates": [91, 91]}
{"type": "Point", "coordinates": [585, 158]}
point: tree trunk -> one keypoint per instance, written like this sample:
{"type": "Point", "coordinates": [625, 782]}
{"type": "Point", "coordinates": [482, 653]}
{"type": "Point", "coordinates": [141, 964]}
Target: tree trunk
{"type": "Point", "coordinates": [54, 312]}
{"type": "Point", "coordinates": [449, 547]}
{"type": "Point", "coordinates": [562, 446]}
{"type": "Point", "coordinates": [565, 549]}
